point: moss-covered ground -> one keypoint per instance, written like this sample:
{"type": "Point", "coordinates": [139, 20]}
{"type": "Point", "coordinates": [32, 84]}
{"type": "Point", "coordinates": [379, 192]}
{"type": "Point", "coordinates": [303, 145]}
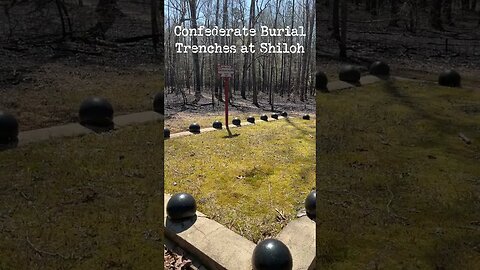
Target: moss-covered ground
{"type": "Point", "coordinates": [90, 202]}
{"type": "Point", "coordinates": [397, 186]}
{"type": "Point", "coordinates": [253, 183]}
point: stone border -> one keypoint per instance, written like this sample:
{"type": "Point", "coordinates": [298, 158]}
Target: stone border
{"type": "Point", "coordinates": [365, 80]}
{"type": "Point", "coordinates": [209, 129]}
{"type": "Point", "coordinates": [75, 129]}
{"type": "Point", "coordinates": [217, 247]}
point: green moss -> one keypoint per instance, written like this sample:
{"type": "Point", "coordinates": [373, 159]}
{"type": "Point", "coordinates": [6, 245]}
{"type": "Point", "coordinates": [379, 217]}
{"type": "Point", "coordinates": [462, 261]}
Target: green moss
{"type": "Point", "coordinates": [91, 202]}
{"type": "Point", "coordinates": [397, 186]}
{"type": "Point", "coordinates": [241, 181]}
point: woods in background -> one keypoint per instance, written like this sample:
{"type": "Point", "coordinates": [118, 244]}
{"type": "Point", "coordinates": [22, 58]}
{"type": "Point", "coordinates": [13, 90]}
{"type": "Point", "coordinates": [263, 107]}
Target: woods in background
{"type": "Point", "coordinates": [257, 74]}
{"type": "Point", "coordinates": [82, 19]}
{"type": "Point", "coordinates": [411, 15]}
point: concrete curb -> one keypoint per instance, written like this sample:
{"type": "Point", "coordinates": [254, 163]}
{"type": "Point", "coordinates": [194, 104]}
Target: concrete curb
{"type": "Point", "coordinates": [300, 237]}
{"type": "Point", "coordinates": [213, 244]}
{"type": "Point", "coordinates": [75, 129]}
{"type": "Point", "coordinates": [365, 80]}
{"type": "Point", "coordinates": [209, 129]}
{"type": "Point", "coordinates": [217, 247]}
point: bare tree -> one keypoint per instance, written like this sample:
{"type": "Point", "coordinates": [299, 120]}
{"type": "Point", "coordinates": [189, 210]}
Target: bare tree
{"type": "Point", "coordinates": [154, 22]}
{"type": "Point", "coordinates": [196, 63]}
{"type": "Point", "coordinates": [435, 14]}
{"type": "Point", "coordinates": [343, 33]}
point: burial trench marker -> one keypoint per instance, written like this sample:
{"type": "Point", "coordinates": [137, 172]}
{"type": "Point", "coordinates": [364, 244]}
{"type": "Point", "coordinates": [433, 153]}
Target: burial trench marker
{"type": "Point", "coordinates": [8, 128]}
{"type": "Point", "coordinates": [264, 116]}
{"type": "Point", "coordinates": [96, 111]}
{"type": "Point", "coordinates": [350, 77]}
{"type": "Point", "coordinates": [217, 247]}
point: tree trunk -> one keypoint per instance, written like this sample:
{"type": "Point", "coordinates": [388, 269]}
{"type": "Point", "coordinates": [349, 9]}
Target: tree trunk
{"type": "Point", "coordinates": [196, 63]}
{"type": "Point", "coordinates": [253, 69]}
{"type": "Point", "coordinates": [435, 14]}
{"type": "Point", "coordinates": [107, 12]}
{"type": "Point", "coordinates": [335, 20]}
{"type": "Point", "coordinates": [154, 22]}
{"type": "Point", "coordinates": [447, 8]}
{"type": "Point", "coordinates": [393, 13]}
{"type": "Point", "coordinates": [343, 38]}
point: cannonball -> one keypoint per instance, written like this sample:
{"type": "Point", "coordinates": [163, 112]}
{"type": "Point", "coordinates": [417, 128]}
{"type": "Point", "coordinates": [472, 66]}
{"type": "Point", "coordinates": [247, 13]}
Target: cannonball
{"type": "Point", "coordinates": [166, 133]}
{"type": "Point", "coordinates": [96, 111]}
{"type": "Point", "coordinates": [8, 128]}
{"type": "Point", "coordinates": [450, 78]}
{"type": "Point", "coordinates": [310, 204]}
{"type": "Point", "coordinates": [349, 73]}
{"type": "Point", "coordinates": [379, 68]}
{"type": "Point", "coordinates": [217, 124]}
{"type": "Point", "coordinates": [264, 117]}
{"type": "Point", "coordinates": [321, 81]}
{"type": "Point", "coordinates": [194, 128]}
{"type": "Point", "coordinates": [306, 117]}
{"type": "Point", "coordinates": [272, 254]}
{"type": "Point", "coordinates": [275, 115]}
{"type": "Point", "coordinates": [158, 103]}
{"type": "Point", "coordinates": [181, 206]}
{"type": "Point", "coordinates": [251, 119]}
{"type": "Point", "coordinates": [236, 121]}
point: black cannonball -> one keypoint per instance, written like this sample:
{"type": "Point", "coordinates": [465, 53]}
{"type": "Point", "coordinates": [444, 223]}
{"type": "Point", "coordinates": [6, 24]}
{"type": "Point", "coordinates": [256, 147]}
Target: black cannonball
{"type": "Point", "coordinates": [272, 254]}
{"type": "Point", "coordinates": [311, 204]}
{"type": "Point", "coordinates": [264, 117]}
{"type": "Point", "coordinates": [306, 117]}
{"type": "Point", "coordinates": [194, 128]}
{"type": "Point", "coordinates": [158, 103]}
{"type": "Point", "coordinates": [166, 133]}
{"type": "Point", "coordinates": [321, 81]}
{"type": "Point", "coordinates": [217, 124]}
{"type": "Point", "coordinates": [450, 78]}
{"type": "Point", "coordinates": [379, 68]}
{"type": "Point", "coordinates": [8, 128]}
{"type": "Point", "coordinates": [96, 111]}
{"type": "Point", "coordinates": [349, 73]}
{"type": "Point", "coordinates": [181, 206]}
{"type": "Point", "coordinates": [251, 119]}
{"type": "Point", "coordinates": [236, 121]}
{"type": "Point", "coordinates": [284, 114]}
{"type": "Point", "coordinates": [275, 115]}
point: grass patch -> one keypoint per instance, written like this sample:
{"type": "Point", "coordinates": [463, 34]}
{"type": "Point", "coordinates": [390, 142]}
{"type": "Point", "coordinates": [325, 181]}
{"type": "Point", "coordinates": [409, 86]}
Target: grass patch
{"type": "Point", "coordinates": [91, 202]}
{"type": "Point", "coordinates": [59, 90]}
{"type": "Point", "coordinates": [241, 182]}
{"type": "Point", "coordinates": [397, 187]}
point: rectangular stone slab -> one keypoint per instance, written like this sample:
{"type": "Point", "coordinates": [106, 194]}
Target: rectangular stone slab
{"type": "Point", "coordinates": [339, 85]}
{"type": "Point", "coordinates": [300, 237]}
{"type": "Point", "coordinates": [212, 243]}
{"type": "Point", "coordinates": [369, 79]}
{"type": "Point", "coordinates": [136, 118]}
{"type": "Point", "coordinates": [37, 135]}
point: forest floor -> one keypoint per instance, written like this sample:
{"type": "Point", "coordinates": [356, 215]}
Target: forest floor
{"type": "Point", "coordinates": [398, 187]}
{"type": "Point", "coordinates": [253, 183]}
{"type": "Point", "coordinates": [44, 78]}
{"type": "Point", "coordinates": [83, 203]}
{"type": "Point", "coordinates": [421, 54]}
